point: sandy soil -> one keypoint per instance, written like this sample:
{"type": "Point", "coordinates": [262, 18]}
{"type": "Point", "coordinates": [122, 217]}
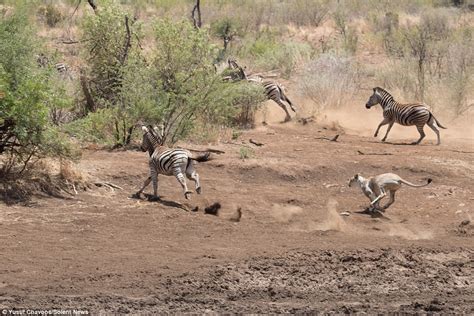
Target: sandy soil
{"type": "Point", "coordinates": [291, 250]}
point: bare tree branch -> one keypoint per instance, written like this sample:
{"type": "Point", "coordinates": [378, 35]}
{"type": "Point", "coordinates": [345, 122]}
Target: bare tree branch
{"type": "Point", "coordinates": [197, 8]}
{"type": "Point", "coordinates": [127, 44]}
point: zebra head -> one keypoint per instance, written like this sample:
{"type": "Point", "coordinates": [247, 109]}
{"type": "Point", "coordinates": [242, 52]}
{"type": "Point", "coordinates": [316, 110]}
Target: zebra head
{"type": "Point", "coordinates": [375, 98]}
{"type": "Point", "coordinates": [150, 139]}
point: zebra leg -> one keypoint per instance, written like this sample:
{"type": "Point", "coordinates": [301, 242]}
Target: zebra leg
{"type": "Point", "coordinates": [283, 106]}
{"type": "Point", "coordinates": [154, 178]}
{"type": "Point", "coordinates": [433, 127]}
{"type": "Point", "coordinates": [422, 134]}
{"type": "Point", "coordinates": [285, 98]}
{"type": "Point", "coordinates": [137, 195]}
{"type": "Point", "coordinates": [390, 202]}
{"type": "Point", "coordinates": [179, 175]}
{"type": "Point", "coordinates": [195, 177]}
{"type": "Point", "coordinates": [384, 122]}
{"type": "Point", "coordinates": [388, 130]}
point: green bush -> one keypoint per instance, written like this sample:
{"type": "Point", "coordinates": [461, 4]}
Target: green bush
{"type": "Point", "coordinates": [28, 94]}
{"type": "Point", "coordinates": [226, 30]}
{"type": "Point", "coordinates": [269, 54]}
{"type": "Point", "coordinates": [247, 99]}
{"type": "Point", "coordinates": [117, 76]}
{"type": "Point", "coordinates": [188, 89]}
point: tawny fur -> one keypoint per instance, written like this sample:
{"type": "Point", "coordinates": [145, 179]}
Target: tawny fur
{"type": "Point", "coordinates": [375, 188]}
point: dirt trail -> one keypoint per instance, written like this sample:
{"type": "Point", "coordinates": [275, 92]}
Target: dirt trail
{"type": "Point", "coordinates": [291, 251]}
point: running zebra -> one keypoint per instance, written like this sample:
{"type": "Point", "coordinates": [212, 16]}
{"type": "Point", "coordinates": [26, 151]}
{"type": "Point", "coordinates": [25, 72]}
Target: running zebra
{"type": "Point", "coordinates": [273, 90]}
{"type": "Point", "coordinates": [403, 114]}
{"type": "Point", "coordinates": [167, 161]}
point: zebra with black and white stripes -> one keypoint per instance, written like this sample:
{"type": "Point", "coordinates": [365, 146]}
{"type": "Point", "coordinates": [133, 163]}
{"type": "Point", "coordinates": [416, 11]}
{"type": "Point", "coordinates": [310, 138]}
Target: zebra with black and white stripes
{"type": "Point", "coordinates": [168, 161]}
{"type": "Point", "coordinates": [273, 90]}
{"type": "Point", "coordinates": [404, 114]}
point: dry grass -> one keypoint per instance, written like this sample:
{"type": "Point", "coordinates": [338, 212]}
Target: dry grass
{"type": "Point", "coordinates": [45, 178]}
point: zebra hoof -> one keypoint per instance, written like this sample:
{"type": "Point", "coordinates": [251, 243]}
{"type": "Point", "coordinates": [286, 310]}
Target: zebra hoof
{"type": "Point", "coordinates": [153, 198]}
{"type": "Point", "coordinates": [135, 196]}
{"type": "Point", "coordinates": [198, 190]}
{"type": "Point", "coordinates": [186, 194]}
{"type": "Point", "coordinates": [414, 143]}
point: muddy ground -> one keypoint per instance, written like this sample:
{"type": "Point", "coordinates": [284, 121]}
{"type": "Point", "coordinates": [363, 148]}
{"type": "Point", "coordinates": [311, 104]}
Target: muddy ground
{"type": "Point", "coordinates": [291, 250]}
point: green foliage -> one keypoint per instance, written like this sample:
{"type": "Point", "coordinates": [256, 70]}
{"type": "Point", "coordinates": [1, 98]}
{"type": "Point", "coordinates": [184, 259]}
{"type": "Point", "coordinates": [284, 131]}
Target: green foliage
{"type": "Point", "coordinates": [425, 43]}
{"type": "Point", "coordinates": [349, 34]}
{"type": "Point", "coordinates": [97, 127]}
{"type": "Point", "coordinates": [107, 51]}
{"type": "Point", "coordinates": [247, 98]}
{"type": "Point", "coordinates": [226, 29]}
{"type": "Point", "coordinates": [178, 87]}
{"type": "Point", "coordinates": [188, 88]}
{"type": "Point", "coordinates": [268, 53]}
{"type": "Point", "coordinates": [28, 94]}
{"type": "Point", "coordinates": [118, 77]}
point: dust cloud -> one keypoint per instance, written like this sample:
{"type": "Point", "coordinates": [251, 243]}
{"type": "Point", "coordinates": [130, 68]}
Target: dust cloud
{"type": "Point", "coordinates": [398, 230]}
{"type": "Point", "coordinates": [285, 213]}
{"type": "Point", "coordinates": [330, 221]}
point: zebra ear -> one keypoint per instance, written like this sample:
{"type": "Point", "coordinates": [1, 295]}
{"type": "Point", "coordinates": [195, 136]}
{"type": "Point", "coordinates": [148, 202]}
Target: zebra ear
{"type": "Point", "coordinates": [375, 90]}
{"type": "Point", "coordinates": [160, 130]}
{"type": "Point", "coordinates": [144, 129]}
{"type": "Point", "coordinates": [356, 176]}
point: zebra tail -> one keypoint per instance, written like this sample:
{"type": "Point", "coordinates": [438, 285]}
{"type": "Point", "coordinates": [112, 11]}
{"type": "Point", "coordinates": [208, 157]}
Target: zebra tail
{"type": "Point", "coordinates": [292, 106]}
{"type": "Point", "coordinates": [438, 123]}
{"type": "Point", "coordinates": [202, 158]}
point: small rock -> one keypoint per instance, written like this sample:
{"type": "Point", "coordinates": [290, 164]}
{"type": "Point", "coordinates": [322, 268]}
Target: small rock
{"type": "Point", "coordinates": [345, 214]}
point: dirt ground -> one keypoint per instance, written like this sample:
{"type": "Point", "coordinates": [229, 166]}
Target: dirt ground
{"type": "Point", "coordinates": [291, 250]}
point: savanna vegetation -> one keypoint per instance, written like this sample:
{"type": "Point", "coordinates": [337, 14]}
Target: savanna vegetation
{"type": "Point", "coordinates": [150, 61]}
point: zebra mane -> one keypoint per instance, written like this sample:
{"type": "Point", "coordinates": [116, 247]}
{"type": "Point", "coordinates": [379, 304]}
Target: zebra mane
{"type": "Point", "coordinates": [383, 93]}
{"type": "Point", "coordinates": [150, 132]}
{"type": "Point", "coordinates": [154, 135]}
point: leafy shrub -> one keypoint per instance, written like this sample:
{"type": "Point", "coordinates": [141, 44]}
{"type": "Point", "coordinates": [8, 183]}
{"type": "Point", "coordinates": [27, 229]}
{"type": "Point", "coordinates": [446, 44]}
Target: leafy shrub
{"type": "Point", "coordinates": [28, 94]}
{"type": "Point", "coordinates": [188, 88]}
{"type": "Point", "coordinates": [269, 54]}
{"type": "Point", "coordinates": [247, 99]}
{"type": "Point", "coordinates": [226, 29]}
{"type": "Point", "coordinates": [117, 76]}
{"type": "Point", "coordinates": [349, 34]}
